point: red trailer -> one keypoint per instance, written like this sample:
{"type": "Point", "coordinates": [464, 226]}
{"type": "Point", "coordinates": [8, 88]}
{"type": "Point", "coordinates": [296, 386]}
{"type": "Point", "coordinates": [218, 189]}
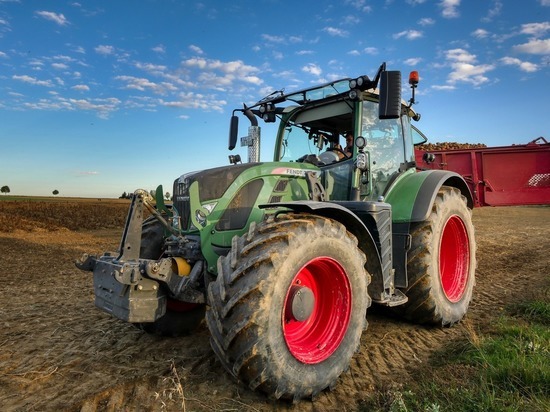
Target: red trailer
{"type": "Point", "coordinates": [498, 176]}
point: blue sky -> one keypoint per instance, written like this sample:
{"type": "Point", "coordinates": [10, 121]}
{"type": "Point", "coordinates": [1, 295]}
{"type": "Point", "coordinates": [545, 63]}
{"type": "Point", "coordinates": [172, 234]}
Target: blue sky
{"type": "Point", "coordinates": [102, 97]}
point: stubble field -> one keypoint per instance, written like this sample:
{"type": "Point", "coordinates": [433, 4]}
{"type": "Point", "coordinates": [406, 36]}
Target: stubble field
{"type": "Point", "coordinates": [57, 352]}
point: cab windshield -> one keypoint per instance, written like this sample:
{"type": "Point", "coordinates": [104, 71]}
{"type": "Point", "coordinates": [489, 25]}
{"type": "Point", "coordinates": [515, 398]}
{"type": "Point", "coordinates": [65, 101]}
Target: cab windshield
{"type": "Point", "coordinates": [318, 132]}
{"type": "Point", "coordinates": [317, 135]}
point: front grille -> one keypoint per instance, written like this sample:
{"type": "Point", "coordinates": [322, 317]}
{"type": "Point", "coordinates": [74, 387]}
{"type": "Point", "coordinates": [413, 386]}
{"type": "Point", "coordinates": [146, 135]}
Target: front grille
{"type": "Point", "coordinates": [181, 202]}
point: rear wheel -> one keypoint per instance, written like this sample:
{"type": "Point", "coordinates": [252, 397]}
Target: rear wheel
{"type": "Point", "coordinates": [441, 262]}
{"type": "Point", "coordinates": [289, 305]}
{"type": "Point", "coordinates": [181, 318]}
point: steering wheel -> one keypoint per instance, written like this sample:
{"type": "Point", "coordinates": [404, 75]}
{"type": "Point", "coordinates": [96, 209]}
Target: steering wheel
{"type": "Point", "coordinates": [310, 158]}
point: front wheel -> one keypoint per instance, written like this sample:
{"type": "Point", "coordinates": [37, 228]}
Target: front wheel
{"type": "Point", "coordinates": [441, 262]}
{"type": "Point", "coordinates": [288, 307]}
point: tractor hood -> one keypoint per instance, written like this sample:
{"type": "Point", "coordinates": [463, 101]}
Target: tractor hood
{"type": "Point", "coordinates": [213, 182]}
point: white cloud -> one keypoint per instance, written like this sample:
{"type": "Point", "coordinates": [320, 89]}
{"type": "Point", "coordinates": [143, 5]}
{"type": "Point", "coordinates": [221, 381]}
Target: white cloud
{"type": "Point", "coordinates": [104, 50]}
{"type": "Point", "coordinates": [197, 62]}
{"type": "Point", "coordinates": [159, 49]}
{"type": "Point", "coordinates": [81, 88]}
{"type": "Point", "coordinates": [494, 11]}
{"type": "Point", "coordinates": [236, 67]}
{"type": "Point", "coordinates": [413, 61]}
{"type": "Point", "coordinates": [534, 47]}
{"type": "Point", "coordinates": [443, 87]}
{"type": "Point", "coordinates": [535, 29]}
{"type": "Point", "coordinates": [480, 33]}
{"type": "Point", "coordinates": [415, 2]}
{"type": "Point", "coordinates": [371, 50]}
{"type": "Point", "coordinates": [151, 68]}
{"type": "Point", "coordinates": [63, 58]}
{"type": "Point", "coordinates": [460, 55]}
{"type": "Point", "coordinates": [350, 19]}
{"type": "Point", "coordinates": [32, 80]}
{"type": "Point", "coordinates": [196, 49]}
{"type": "Point", "coordinates": [360, 5]}
{"type": "Point", "coordinates": [409, 34]}
{"type": "Point", "coordinates": [464, 69]}
{"type": "Point", "coordinates": [523, 66]}
{"type": "Point", "coordinates": [55, 17]}
{"type": "Point", "coordinates": [304, 52]}
{"type": "Point", "coordinates": [60, 66]}
{"type": "Point", "coordinates": [142, 84]}
{"type": "Point", "coordinates": [469, 73]}
{"type": "Point", "coordinates": [354, 53]}
{"type": "Point", "coordinates": [426, 21]}
{"type": "Point", "coordinates": [102, 107]}
{"type": "Point", "coordinates": [332, 31]}
{"type": "Point", "coordinates": [208, 73]}
{"type": "Point", "coordinates": [273, 39]}
{"type": "Point", "coordinates": [3, 55]}
{"type": "Point", "coordinates": [312, 69]}
{"type": "Point", "coordinates": [449, 8]}
{"type": "Point", "coordinates": [192, 100]}
{"type": "Point", "coordinates": [544, 2]}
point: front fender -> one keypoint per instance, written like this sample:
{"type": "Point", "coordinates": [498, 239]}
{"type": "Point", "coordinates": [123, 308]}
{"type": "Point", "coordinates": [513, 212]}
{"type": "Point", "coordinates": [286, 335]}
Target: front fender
{"type": "Point", "coordinates": [333, 211]}
{"type": "Point", "coordinates": [381, 278]}
{"type": "Point", "coordinates": [412, 196]}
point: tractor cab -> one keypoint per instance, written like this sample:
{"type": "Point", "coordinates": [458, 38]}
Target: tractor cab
{"type": "Point", "coordinates": [316, 134]}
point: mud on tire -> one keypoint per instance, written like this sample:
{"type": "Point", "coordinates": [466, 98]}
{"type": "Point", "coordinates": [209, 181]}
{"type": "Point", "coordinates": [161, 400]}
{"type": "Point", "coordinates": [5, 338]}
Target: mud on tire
{"type": "Point", "coordinates": [258, 334]}
{"type": "Point", "coordinates": [441, 262]}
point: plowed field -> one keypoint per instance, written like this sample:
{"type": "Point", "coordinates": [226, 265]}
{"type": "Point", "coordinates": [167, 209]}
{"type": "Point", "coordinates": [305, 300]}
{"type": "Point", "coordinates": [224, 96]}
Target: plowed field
{"type": "Point", "coordinates": [57, 352]}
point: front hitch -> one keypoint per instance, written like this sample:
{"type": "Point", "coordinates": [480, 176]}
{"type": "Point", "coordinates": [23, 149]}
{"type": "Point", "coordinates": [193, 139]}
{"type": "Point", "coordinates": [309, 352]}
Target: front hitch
{"type": "Point", "coordinates": [135, 289]}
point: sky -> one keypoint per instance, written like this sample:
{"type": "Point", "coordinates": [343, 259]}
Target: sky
{"type": "Point", "coordinates": [103, 97]}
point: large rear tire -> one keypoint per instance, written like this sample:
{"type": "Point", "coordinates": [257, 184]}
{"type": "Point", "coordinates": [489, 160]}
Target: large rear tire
{"type": "Point", "coordinates": [181, 318]}
{"type": "Point", "coordinates": [441, 262]}
{"type": "Point", "coordinates": [288, 307]}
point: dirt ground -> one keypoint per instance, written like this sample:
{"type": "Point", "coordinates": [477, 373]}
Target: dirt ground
{"type": "Point", "coordinates": [57, 352]}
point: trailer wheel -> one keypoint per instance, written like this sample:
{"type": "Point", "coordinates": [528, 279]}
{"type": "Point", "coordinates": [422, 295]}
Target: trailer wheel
{"type": "Point", "coordinates": [441, 262]}
{"type": "Point", "coordinates": [181, 318]}
{"type": "Point", "coordinates": [288, 307]}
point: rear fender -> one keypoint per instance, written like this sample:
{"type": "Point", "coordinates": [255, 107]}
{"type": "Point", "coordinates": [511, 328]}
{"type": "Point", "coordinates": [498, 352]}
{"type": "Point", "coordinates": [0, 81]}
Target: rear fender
{"type": "Point", "coordinates": [412, 198]}
{"type": "Point", "coordinates": [380, 283]}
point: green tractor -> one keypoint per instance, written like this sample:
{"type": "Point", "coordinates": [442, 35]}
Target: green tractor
{"type": "Point", "coordinates": [283, 258]}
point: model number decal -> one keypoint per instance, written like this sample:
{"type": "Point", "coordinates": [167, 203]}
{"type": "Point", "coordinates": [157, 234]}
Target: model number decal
{"type": "Point", "coordinates": [292, 172]}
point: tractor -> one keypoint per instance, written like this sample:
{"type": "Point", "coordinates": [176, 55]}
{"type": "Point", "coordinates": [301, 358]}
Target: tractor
{"type": "Point", "coordinates": [282, 259]}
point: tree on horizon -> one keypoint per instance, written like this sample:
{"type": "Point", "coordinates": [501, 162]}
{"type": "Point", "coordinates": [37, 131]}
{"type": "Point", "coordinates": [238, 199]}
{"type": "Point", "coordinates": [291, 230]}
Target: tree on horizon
{"type": "Point", "coordinates": [5, 189]}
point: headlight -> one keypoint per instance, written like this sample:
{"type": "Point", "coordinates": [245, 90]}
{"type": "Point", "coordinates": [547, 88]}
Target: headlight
{"type": "Point", "coordinates": [201, 217]}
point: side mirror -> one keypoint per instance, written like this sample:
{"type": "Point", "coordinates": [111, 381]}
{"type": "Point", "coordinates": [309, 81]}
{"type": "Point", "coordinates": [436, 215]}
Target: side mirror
{"type": "Point", "coordinates": [233, 132]}
{"type": "Point", "coordinates": [390, 95]}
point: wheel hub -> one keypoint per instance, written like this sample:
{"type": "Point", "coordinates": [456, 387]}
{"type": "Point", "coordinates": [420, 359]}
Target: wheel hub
{"type": "Point", "coordinates": [316, 319]}
{"type": "Point", "coordinates": [301, 303]}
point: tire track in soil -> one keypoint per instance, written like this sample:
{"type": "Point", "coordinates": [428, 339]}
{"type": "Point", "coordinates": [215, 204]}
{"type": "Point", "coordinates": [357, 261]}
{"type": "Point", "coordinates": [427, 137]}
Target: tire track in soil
{"type": "Point", "coordinates": [57, 352]}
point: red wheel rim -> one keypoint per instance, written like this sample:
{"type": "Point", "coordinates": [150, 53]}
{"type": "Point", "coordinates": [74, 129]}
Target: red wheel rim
{"type": "Point", "coordinates": [316, 338]}
{"type": "Point", "coordinates": [454, 259]}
